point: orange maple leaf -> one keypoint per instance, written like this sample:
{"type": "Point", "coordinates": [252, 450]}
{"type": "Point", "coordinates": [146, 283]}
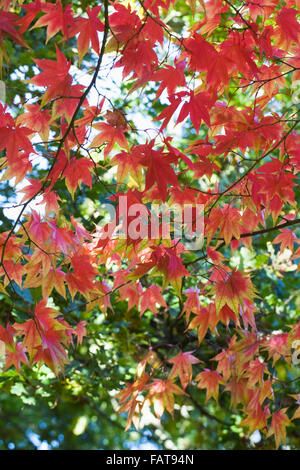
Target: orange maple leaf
{"type": "Point", "coordinates": [209, 379]}
{"type": "Point", "coordinates": [202, 322]}
{"type": "Point", "coordinates": [279, 423]}
{"type": "Point", "coordinates": [182, 366]}
{"type": "Point", "coordinates": [150, 297]}
{"type": "Point", "coordinates": [111, 132]}
{"type": "Point", "coordinates": [32, 337]}
{"type": "Point", "coordinates": [161, 395]}
{"type": "Point", "coordinates": [287, 238]}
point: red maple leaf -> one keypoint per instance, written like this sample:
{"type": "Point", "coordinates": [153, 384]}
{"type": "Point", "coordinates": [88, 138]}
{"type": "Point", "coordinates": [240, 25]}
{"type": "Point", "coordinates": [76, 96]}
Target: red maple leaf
{"type": "Point", "coordinates": [55, 76]}
{"type": "Point", "coordinates": [289, 27]}
{"type": "Point", "coordinates": [231, 289]}
{"type": "Point", "coordinates": [56, 19]}
{"type": "Point", "coordinates": [171, 77]}
{"type": "Point", "coordinates": [159, 170]}
{"type": "Point", "coordinates": [88, 29]}
{"type": "Point", "coordinates": [78, 170]}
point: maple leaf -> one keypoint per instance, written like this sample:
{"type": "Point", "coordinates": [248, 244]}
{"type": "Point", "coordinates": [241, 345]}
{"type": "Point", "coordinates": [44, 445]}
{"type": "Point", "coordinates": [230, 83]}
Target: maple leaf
{"type": "Point", "coordinates": [39, 230]}
{"type": "Point", "coordinates": [288, 26]}
{"type": "Point", "coordinates": [109, 135]}
{"type": "Point", "coordinates": [153, 31]}
{"type": "Point", "coordinates": [209, 379]}
{"type": "Point", "coordinates": [208, 83]}
{"type": "Point", "coordinates": [12, 249]}
{"type": "Point", "coordinates": [53, 333]}
{"type": "Point", "coordinates": [167, 113]}
{"type": "Point", "coordinates": [88, 29]}
{"type": "Point", "coordinates": [46, 317]}
{"type": "Point", "coordinates": [50, 199]}
{"type": "Point", "coordinates": [261, 8]}
{"type": "Point", "coordinates": [66, 105]}
{"type": "Point", "coordinates": [7, 336]}
{"type": "Point", "coordinates": [215, 256]}
{"type": "Point", "coordinates": [89, 114]}
{"type": "Point", "coordinates": [55, 76]}
{"type": "Point", "coordinates": [83, 275]}
{"type": "Point", "coordinates": [13, 139]}
{"type": "Point", "coordinates": [226, 359]}
{"type": "Point", "coordinates": [238, 391]}
{"type": "Point", "coordinates": [52, 352]}
{"type": "Point", "coordinates": [247, 314]}
{"type": "Point", "coordinates": [182, 366]}
{"type": "Point", "coordinates": [202, 322]}
{"type": "Point", "coordinates": [256, 371]}
{"type": "Point", "coordinates": [161, 395]}
{"type": "Point", "coordinates": [78, 170]}
{"type": "Point", "coordinates": [17, 169]}
{"type": "Point", "coordinates": [200, 53]}
{"type": "Point", "coordinates": [131, 293]}
{"type": "Point", "coordinates": [129, 164]}
{"type": "Point", "coordinates": [54, 279]}
{"type": "Point", "coordinates": [13, 271]}
{"type": "Point", "coordinates": [273, 187]}
{"type": "Point", "coordinates": [226, 315]}
{"type": "Point", "coordinates": [7, 26]}
{"type": "Point", "coordinates": [36, 119]}
{"type": "Point", "coordinates": [287, 238]}
{"type": "Point", "coordinates": [144, 67]}
{"type": "Point", "coordinates": [80, 331]}
{"type": "Point", "coordinates": [228, 220]}
{"type": "Point", "coordinates": [246, 349]}
{"type": "Point", "coordinates": [31, 190]}
{"type": "Point", "coordinates": [277, 347]}
{"type": "Point", "coordinates": [197, 108]}
{"type": "Point", "coordinates": [124, 23]}
{"type": "Point", "coordinates": [257, 417]}
{"type": "Point", "coordinates": [32, 9]}
{"type": "Point", "coordinates": [56, 19]}
{"type": "Point", "coordinates": [169, 264]}
{"type": "Point", "coordinates": [16, 358]}
{"type": "Point", "coordinates": [133, 407]}
{"type": "Point", "coordinates": [171, 77]}
{"type": "Point", "coordinates": [153, 6]}
{"type": "Point", "coordinates": [192, 303]}
{"type": "Point", "coordinates": [32, 337]}
{"type": "Point", "coordinates": [129, 396]}
{"type": "Point", "coordinates": [150, 297]}
{"type": "Point", "coordinates": [231, 289]}
{"type": "Point", "coordinates": [133, 388]}
{"type": "Point", "coordinates": [152, 359]}
{"type": "Point", "coordinates": [279, 423]}
{"type": "Point", "coordinates": [204, 166]}
{"type": "Point", "coordinates": [159, 170]}
{"type": "Point", "coordinates": [81, 233]}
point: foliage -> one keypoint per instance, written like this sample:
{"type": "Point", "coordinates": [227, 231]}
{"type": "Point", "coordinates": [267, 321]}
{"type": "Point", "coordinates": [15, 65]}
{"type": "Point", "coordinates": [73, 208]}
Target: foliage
{"type": "Point", "coordinates": [107, 340]}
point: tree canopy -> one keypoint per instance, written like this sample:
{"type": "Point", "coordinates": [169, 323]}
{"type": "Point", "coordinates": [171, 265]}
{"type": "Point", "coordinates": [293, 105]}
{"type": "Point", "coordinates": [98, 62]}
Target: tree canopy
{"type": "Point", "coordinates": [150, 242]}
